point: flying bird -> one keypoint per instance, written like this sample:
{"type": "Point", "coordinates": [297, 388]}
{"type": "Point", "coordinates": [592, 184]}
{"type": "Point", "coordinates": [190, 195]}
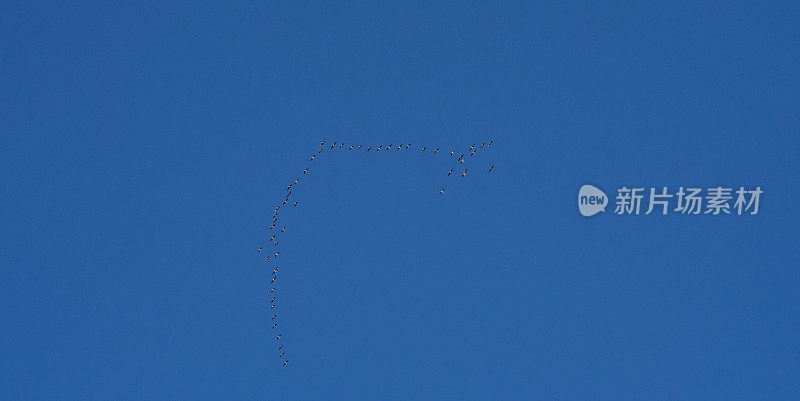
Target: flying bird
{"type": "Point", "coordinates": [399, 147]}
{"type": "Point", "coordinates": [483, 144]}
{"type": "Point", "coordinates": [369, 148]}
{"type": "Point", "coordinates": [408, 146]}
{"type": "Point", "coordinates": [473, 145]}
{"type": "Point", "coordinates": [305, 171]}
{"type": "Point", "coordinates": [276, 253]}
{"type": "Point", "coordinates": [436, 151]}
{"type": "Point", "coordinates": [281, 347]}
{"type": "Point", "coordinates": [275, 325]}
{"type": "Point", "coordinates": [295, 204]}
{"type": "Point", "coordinates": [340, 145]}
{"type": "Point", "coordinates": [285, 362]}
{"type": "Point", "coordinates": [296, 180]}
{"type": "Point", "coordinates": [389, 147]}
{"type": "Point", "coordinates": [334, 145]}
{"type": "Point", "coordinates": [319, 151]}
{"type": "Point", "coordinates": [276, 243]}
{"type": "Point", "coordinates": [273, 300]}
{"type": "Point", "coordinates": [473, 153]}
{"type": "Point", "coordinates": [273, 280]}
{"type": "Point", "coordinates": [272, 306]}
{"type": "Point", "coordinates": [464, 173]}
{"type": "Point", "coordinates": [423, 149]}
{"type": "Point", "coordinates": [259, 250]}
{"type": "Point", "coordinates": [266, 259]}
{"type": "Point", "coordinates": [279, 337]}
{"type": "Point", "coordinates": [460, 157]}
{"type": "Point", "coordinates": [351, 147]}
{"type": "Point", "coordinates": [491, 168]}
{"type": "Point", "coordinates": [451, 172]}
{"type": "Point", "coordinates": [274, 316]}
{"type": "Point", "coordinates": [312, 157]}
{"type": "Point", "coordinates": [379, 147]}
{"type": "Point", "coordinates": [359, 147]}
{"type": "Point", "coordinates": [283, 229]}
{"type": "Point", "coordinates": [275, 272]}
{"type": "Point", "coordinates": [490, 143]}
{"type": "Point", "coordinates": [452, 152]}
{"type": "Point", "coordinates": [322, 143]}
{"type": "Point", "coordinates": [442, 191]}
{"type": "Point", "coordinates": [271, 238]}
{"type": "Point", "coordinates": [282, 354]}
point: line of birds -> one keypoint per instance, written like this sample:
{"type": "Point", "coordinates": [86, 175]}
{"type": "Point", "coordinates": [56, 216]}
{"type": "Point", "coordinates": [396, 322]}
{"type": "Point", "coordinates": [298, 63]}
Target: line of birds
{"type": "Point", "coordinates": [273, 238]}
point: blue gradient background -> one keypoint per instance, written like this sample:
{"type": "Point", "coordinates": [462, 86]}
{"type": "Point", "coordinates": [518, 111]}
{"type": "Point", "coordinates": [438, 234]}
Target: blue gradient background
{"type": "Point", "coordinates": [145, 145]}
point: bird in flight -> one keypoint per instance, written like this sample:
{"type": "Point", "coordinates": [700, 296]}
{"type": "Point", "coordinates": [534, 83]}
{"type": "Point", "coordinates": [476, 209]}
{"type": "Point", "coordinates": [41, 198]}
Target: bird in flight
{"type": "Point", "coordinates": [276, 253]}
{"type": "Point", "coordinates": [460, 157]}
{"type": "Point", "coordinates": [491, 168]}
{"type": "Point", "coordinates": [423, 149]}
{"type": "Point", "coordinates": [266, 259]}
{"type": "Point", "coordinates": [276, 243]}
{"type": "Point", "coordinates": [483, 144]}
{"type": "Point", "coordinates": [259, 250]}
{"type": "Point", "coordinates": [408, 146]}
{"type": "Point", "coordinates": [490, 143]}
{"type": "Point", "coordinates": [351, 147]}
{"type": "Point", "coordinates": [282, 354]}
{"type": "Point", "coordinates": [285, 362]}
{"type": "Point", "coordinates": [389, 147]}
{"type": "Point", "coordinates": [452, 152]}
{"type": "Point", "coordinates": [275, 272]}
{"type": "Point", "coordinates": [442, 191]}
{"type": "Point", "coordinates": [295, 181]}
{"type": "Point", "coordinates": [369, 148]}
{"type": "Point", "coordinates": [359, 147]}
{"type": "Point", "coordinates": [273, 280]}
{"type": "Point", "coordinates": [312, 157]}
{"type": "Point", "coordinates": [279, 337]}
{"type": "Point", "coordinates": [322, 143]}
{"type": "Point", "coordinates": [464, 173]}
{"type": "Point", "coordinates": [275, 325]}
{"type": "Point", "coordinates": [334, 145]}
{"type": "Point", "coordinates": [271, 238]}
{"type": "Point", "coordinates": [305, 171]}
{"type": "Point", "coordinates": [379, 147]}
{"type": "Point", "coordinates": [341, 145]}
{"type": "Point", "coordinates": [272, 306]}
{"type": "Point", "coordinates": [274, 316]}
{"type": "Point", "coordinates": [473, 153]}
{"type": "Point", "coordinates": [451, 172]}
{"type": "Point", "coordinates": [281, 347]}
{"type": "Point", "coordinates": [399, 146]}
{"type": "Point", "coordinates": [436, 151]}
{"type": "Point", "coordinates": [295, 204]}
{"type": "Point", "coordinates": [283, 229]}
{"type": "Point", "coordinates": [471, 147]}
{"type": "Point", "coordinates": [273, 300]}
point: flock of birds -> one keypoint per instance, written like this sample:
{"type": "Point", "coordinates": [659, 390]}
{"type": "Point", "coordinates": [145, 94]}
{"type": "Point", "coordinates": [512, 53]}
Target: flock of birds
{"type": "Point", "coordinates": [275, 231]}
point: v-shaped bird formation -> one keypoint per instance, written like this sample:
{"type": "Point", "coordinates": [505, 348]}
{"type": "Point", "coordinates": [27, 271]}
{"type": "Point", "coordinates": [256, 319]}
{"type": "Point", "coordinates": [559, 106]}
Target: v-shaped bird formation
{"type": "Point", "coordinates": [273, 234]}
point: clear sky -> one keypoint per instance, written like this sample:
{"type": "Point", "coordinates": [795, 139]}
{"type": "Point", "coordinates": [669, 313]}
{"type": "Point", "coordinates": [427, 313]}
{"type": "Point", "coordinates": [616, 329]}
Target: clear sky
{"type": "Point", "coordinates": [145, 145]}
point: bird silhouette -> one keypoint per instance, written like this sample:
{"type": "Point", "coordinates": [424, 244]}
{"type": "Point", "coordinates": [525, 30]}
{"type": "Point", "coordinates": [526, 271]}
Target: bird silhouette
{"type": "Point", "coordinates": [442, 191]}
{"type": "Point", "coordinates": [285, 362]}
{"type": "Point", "coordinates": [452, 152]}
{"type": "Point", "coordinates": [259, 250]}
{"type": "Point", "coordinates": [408, 146]}
{"type": "Point", "coordinates": [282, 354]}
{"type": "Point", "coordinates": [451, 172]}
{"type": "Point", "coordinates": [369, 148]}
{"type": "Point", "coordinates": [275, 271]}
{"type": "Point", "coordinates": [464, 173]}
{"type": "Point", "coordinates": [305, 171]}
{"type": "Point", "coordinates": [491, 168]}
{"type": "Point", "coordinates": [274, 316]}
{"type": "Point", "coordinates": [436, 151]}
{"type": "Point", "coordinates": [295, 204]}
{"type": "Point", "coordinates": [276, 243]}
{"type": "Point", "coordinates": [483, 144]}
{"type": "Point", "coordinates": [379, 147]}
{"type": "Point", "coordinates": [273, 280]}
{"type": "Point", "coordinates": [341, 145]}
{"type": "Point", "coordinates": [423, 149]}
{"type": "Point", "coordinates": [276, 253]}
{"type": "Point", "coordinates": [312, 157]}
{"type": "Point", "coordinates": [283, 229]}
{"type": "Point", "coordinates": [359, 147]}
{"type": "Point", "coordinates": [275, 325]}
{"type": "Point", "coordinates": [281, 347]}
{"type": "Point", "coordinates": [351, 147]}
{"type": "Point", "coordinates": [279, 337]}
{"type": "Point", "coordinates": [473, 153]}
{"type": "Point", "coordinates": [273, 300]}
{"type": "Point", "coordinates": [322, 143]}
{"type": "Point", "coordinates": [490, 143]}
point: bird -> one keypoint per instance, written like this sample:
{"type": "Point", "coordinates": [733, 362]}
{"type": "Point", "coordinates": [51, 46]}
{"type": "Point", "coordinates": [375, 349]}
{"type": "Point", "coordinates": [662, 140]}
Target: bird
{"type": "Point", "coordinates": [272, 226]}
{"type": "Point", "coordinates": [473, 153]}
{"type": "Point", "coordinates": [275, 271]}
{"type": "Point", "coordinates": [271, 238]}
{"type": "Point", "coordinates": [276, 243]}
{"type": "Point", "coordinates": [379, 147]}
{"type": "Point", "coordinates": [399, 147]}
{"type": "Point", "coordinates": [462, 161]}
{"type": "Point", "coordinates": [279, 337]}
{"type": "Point", "coordinates": [274, 316]}
{"type": "Point", "coordinates": [442, 191]}
{"type": "Point", "coordinates": [271, 290]}
{"type": "Point", "coordinates": [464, 173]}
{"type": "Point", "coordinates": [408, 146]}
{"type": "Point", "coordinates": [285, 362]}
{"type": "Point", "coordinates": [275, 325]}
{"type": "Point", "coordinates": [359, 147]}
{"type": "Point", "coordinates": [451, 172]}
{"type": "Point", "coordinates": [273, 300]}
{"type": "Point", "coordinates": [436, 151]}
{"type": "Point", "coordinates": [322, 143]}
{"type": "Point", "coordinates": [351, 147]}
{"type": "Point", "coordinates": [483, 144]}
{"type": "Point", "coordinates": [452, 152]}
{"type": "Point", "coordinates": [460, 157]}
{"type": "Point", "coordinates": [319, 151]}
{"type": "Point", "coordinates": [340, 145]}
{"type": "Point", "coordinates": [491, 168]}
{"type": "Point", "coordinates": [490, 143]}
{"type": "Point", "coordinates": [281, 347]}
{"type": "Point", "coordinates": [276, 253]}
{"type": "Point", "coordinates": [272, 306]}
{"type": "Point", "coordinates": [273, 280]}
{"type": "Point", "coordinates": [296, 180]}
{"type": "Point", "coordinates": [305, 171]}
{"type": "Point", "coordinates": [312, 157]}
{"type": "Point", "coordinates": [289, 187]}
{"type": "Point", "coordinates": [334, 145]}
{"type": "Point", "coordinates": [282, 353]}
{"type": "Point", "coordinates": [389, 147]}
{"type": "Point", "coordinates": [473, 145]}
{"type": "Point", "coordinates": [285, 200]}
{"type": "Point", "coordinates": [259, 250]}
{"type": "Point", "coordinates": [369, 148]}
{"type": "Point", "coordinates": [283, 229]}
{"type": "Point", "coordinates": [295, 204]}
{"type": "Point", "coordinates": [266, 259]}
{"type": "Point", "coordinates": [423, 149]}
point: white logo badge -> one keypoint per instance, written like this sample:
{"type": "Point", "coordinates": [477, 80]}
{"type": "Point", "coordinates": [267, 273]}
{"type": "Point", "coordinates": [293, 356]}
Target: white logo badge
{"type": "Point", "coordinates": [591, 200]}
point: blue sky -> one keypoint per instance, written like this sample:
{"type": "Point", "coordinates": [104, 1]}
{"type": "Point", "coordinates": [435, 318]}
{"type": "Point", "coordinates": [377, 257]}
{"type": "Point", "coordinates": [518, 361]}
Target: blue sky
{"type": "Point", "coordinates": [145, 146]}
